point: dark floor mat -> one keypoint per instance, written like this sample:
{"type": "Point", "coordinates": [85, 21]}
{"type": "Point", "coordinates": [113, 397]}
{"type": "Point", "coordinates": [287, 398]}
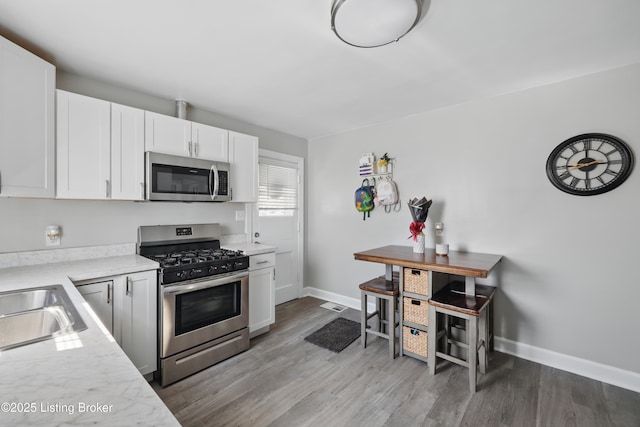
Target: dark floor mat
{"type": "Point", "coordinates": [335, 335]}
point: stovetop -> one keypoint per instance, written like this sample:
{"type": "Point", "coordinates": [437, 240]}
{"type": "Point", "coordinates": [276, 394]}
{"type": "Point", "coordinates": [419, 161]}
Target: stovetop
{"type": "Point", "coordinates": [187, 252]}
{"type": "Point", "coordinates": [190, 257]}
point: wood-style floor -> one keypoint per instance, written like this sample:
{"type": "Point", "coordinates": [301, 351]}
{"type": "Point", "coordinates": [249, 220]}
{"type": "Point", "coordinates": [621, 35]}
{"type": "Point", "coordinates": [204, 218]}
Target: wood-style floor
{"type": "Point", "coordinates": [285, 381]}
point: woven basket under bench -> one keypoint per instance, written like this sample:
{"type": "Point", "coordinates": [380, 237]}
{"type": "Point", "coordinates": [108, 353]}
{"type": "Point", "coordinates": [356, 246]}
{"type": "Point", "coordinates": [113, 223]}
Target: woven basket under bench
{"type": "Point", "coordinates": [414, 340]}
{"type": "Point", "coordinates": [415, 311]}
{"type": "Point", "coordinates": [416, 281]}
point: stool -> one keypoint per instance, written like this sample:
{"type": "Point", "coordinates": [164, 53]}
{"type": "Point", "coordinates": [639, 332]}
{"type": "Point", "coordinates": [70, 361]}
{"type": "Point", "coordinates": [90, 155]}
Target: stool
{"type": "Point", "coordinates": [386, 294]}
{"type": "Point", "coordinates": [476, 311]}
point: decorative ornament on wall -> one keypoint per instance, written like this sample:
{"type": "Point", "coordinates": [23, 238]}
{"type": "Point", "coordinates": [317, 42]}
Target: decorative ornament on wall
{"type": "Point", "coordinates": [589, 164]}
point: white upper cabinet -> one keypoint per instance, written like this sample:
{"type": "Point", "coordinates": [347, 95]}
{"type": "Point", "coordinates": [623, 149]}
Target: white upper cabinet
{"type": "Point", "coordinates": [210, 142]}
{"type": "Point", "coordinates": [83, 147]}
{"type": "Point", "coordinates": [27, 148]}
{"type": "Point", "coordinates": [166, 134]}
{"type": "Point", "coordinates": [127, 153]}
{"type": "Point", "coordinates": [171, 135]}
{"type": "Point", "coordinates": [100, 149]}
{"type": "Point", "coordinates": [243, 156]}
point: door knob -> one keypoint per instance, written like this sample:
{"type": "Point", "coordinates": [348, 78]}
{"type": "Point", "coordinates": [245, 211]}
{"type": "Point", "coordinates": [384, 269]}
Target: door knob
{"type": "Point", "coordinates": [256, 234]}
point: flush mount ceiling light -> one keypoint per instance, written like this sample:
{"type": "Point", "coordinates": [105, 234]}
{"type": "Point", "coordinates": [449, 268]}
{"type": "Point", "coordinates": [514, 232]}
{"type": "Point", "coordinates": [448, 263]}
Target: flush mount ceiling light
{"type": "Point", "coordinates": [373, 23]}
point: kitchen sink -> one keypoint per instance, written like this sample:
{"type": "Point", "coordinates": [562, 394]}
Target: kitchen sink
{"type": "Point", "coordinates": [36, 314]}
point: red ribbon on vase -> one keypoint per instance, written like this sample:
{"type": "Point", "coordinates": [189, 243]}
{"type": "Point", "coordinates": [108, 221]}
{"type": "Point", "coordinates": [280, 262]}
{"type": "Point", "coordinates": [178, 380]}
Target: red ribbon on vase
{"type": "Point", "coordinates": [415, 228]}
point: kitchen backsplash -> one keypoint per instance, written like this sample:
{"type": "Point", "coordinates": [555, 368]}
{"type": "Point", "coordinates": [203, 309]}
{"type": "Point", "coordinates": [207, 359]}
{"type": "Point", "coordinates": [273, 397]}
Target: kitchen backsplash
{"type": "Point", "coordinates": [21, 259]}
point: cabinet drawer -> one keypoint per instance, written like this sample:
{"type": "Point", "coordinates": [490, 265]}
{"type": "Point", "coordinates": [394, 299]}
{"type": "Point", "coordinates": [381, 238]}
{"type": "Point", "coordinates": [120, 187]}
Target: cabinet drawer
{"type": "Point", "coordinates": [262, 261]}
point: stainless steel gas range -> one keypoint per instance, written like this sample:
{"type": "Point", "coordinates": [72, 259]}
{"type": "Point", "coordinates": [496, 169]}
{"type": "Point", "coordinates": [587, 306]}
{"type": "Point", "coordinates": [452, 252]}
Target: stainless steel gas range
{"type": "Point", "coordinates": [203, 311]}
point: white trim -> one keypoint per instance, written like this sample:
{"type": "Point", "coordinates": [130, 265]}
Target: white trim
{"type": "Point", "coordinates": [299, 161]}
{"type": "Point", "coordinates": [337, 298]}
{"type": "Point", "coordinates": [586, 368]}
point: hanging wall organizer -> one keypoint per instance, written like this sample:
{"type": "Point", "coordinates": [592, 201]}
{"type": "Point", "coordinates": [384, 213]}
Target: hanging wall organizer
{"type": "Point", "coordinates": [378, 176]}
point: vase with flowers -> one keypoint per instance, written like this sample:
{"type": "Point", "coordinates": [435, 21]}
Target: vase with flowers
{"type": "Point", "coordinates": [384, 163]}
{"type": "Point", "coordinates": [419, 209]}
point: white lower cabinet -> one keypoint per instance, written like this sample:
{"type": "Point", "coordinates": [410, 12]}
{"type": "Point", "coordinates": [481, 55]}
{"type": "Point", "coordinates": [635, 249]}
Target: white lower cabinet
{"type": "Point", "coordinates": [127, 306]}
{"type": "Point", "coordinates": [262, 292]}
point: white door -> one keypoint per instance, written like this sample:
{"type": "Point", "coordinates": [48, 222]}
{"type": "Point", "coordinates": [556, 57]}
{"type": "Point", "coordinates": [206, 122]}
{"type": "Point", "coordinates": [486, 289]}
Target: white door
{"type": "Point", "coordinates": [277, 218]}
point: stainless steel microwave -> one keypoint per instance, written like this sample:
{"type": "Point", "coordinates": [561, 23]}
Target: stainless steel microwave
{"type": "Point", "coordinates": [186, 179]}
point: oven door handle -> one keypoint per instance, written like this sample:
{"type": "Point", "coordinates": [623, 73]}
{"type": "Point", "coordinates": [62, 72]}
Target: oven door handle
{"type": "Point", "coordinates": [181, 288]}
{"type": "Point", "coordinates": [213, 172]}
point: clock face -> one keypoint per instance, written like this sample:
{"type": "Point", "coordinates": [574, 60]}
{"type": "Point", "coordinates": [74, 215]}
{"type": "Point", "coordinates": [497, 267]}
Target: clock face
{"type": "Point", "coordinates": [589, 164]}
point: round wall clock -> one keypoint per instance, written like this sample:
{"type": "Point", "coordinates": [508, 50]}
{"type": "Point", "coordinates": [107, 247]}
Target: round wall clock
{"type": "Point", "coordinates": [589, 164]}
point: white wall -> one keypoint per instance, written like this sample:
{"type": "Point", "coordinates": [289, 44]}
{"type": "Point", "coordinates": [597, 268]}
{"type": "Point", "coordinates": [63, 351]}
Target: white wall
{"type": "Point", "coordinates": [92, 223]}
{"type": "Point", "coordinates": [23, 222]}
{"type": "Point", "coordinates": [568, 281]}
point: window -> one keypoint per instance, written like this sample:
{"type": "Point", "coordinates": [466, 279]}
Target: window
{"type": "Point", "coordinates": [278, 190]}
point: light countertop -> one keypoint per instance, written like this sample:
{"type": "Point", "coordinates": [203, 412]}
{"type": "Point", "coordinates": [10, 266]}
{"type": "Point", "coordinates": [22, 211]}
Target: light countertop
{"type": "Point", "coordinates": [88, 379]}
{"type": "Point", "coordinates": [250, 248]}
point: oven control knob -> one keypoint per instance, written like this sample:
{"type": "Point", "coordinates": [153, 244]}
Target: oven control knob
{"type": "Point", "coordinates": [181, 274]}
{"type": "Point", "coordinates": [212, 269]}
{"type": "Point", "coordinates": [192, 273]}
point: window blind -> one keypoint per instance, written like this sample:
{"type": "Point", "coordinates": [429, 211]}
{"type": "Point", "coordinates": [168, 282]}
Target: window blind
{"type": "Point", "coordinates": [278, 189]}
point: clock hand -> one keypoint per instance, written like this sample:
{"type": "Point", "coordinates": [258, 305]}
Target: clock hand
{"type": "Point", "coordinates": [581, 165]}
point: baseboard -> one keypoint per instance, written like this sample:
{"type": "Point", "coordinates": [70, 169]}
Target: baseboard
{"type": "Point", "coordinates": [586, 368]}
{"type": "Point", "coordinates": [337, 298]}
{"type": "Point", "coordinates": [597, 371]}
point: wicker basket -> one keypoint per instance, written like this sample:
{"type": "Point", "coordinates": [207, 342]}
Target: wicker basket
{"type": "Point", "coordinates": [415, 311]}
{"type": "Point", "coordinates": [414, 340]}
{"type": "Point", "coordinates": [416, 281]}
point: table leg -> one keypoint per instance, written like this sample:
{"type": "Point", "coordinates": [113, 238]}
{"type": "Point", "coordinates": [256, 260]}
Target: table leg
{"type": "Point", "coordinates": [388, 272]}
{"type": "Point", "coordinates": [472, 334]}
{"type": "Point", "coordinates": [363, 320]}
{"type": "Point", "coordinates": [483, 343]}
{"type": "Point", "coordinates": [432, 343]}
{"type": "Point", "coordinates": [470, 285]}
{"type": "Point", "coordinates": [391, 327]}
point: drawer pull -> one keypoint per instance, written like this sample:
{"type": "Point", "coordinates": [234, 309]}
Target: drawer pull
{"type": "Point", "coordinates": [262, 262]}
{"type": "Point", "coordinates": [415, 272]}
{"type": "Point", "coordinates": [415, 302]}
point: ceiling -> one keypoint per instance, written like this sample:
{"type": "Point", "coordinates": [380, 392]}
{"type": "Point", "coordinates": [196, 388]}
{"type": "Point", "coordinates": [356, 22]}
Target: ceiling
{"type": "Point", "coordinates": [277, 63]}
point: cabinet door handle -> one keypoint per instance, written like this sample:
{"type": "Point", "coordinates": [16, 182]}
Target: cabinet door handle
{"type": "Point", "coordinates": [262, 262]}
{"type": "Point", "coordinates": [106, 186]}
{"type": "Point", "coordinates": [190, 145]}
{"type": "Point", "coordinates": [127, 290]}
{"type": "Point", "coordinates": [142, 190]}
{"type": "Point", "coordinates": [0, 182]}
{"type": "Point", "coordinates": [195, 148]}
{"type": "Point", "coordinates": [109, 293]}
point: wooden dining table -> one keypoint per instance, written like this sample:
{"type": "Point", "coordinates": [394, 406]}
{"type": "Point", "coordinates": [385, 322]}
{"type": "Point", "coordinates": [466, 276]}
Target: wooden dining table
{"type": "Point", "coordinates": [468, 264]}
